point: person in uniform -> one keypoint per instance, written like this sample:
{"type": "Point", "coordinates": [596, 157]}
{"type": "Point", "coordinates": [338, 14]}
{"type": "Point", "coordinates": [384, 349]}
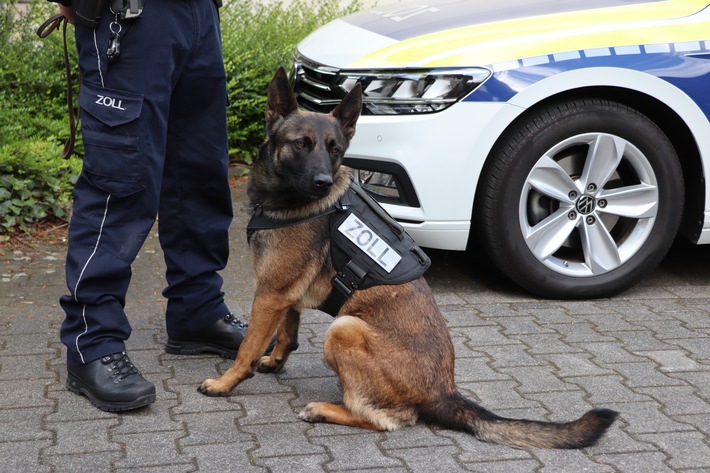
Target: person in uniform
{"type": "Point", "coordinates": [154, 129]}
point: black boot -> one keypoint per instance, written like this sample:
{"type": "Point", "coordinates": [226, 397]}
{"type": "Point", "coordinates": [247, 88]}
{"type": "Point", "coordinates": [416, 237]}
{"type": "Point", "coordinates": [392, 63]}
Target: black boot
{"type": "Point", "coordinates": [223, 338]}
{"type": "Point", "coordinates": [111, 383]}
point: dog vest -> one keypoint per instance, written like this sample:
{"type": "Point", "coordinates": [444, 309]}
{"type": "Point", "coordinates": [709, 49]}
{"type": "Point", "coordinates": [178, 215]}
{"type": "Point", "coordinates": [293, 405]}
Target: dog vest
{"type": "Point", "coordinates": [367, 246]}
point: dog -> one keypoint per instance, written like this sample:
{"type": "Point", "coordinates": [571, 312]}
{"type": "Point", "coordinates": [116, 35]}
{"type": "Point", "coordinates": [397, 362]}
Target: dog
{"type": "Point", "coordinates": [389, 344]}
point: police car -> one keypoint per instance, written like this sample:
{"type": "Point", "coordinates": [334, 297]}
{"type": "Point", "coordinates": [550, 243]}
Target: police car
{"type": "Point", "coordinates": [568, 139]}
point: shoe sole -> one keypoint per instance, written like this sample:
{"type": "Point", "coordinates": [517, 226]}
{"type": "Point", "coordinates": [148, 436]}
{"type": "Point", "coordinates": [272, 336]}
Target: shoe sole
{"type": "Point", "coordinates": [76, 386]}
{"type": "Point", "coordinates": [197, 348]}
{"type": "Point", "coordinates": [200, 348]}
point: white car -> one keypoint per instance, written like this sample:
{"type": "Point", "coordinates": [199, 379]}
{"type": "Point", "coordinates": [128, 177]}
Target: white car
{"type": "Point", "coordinates": [567, 139]}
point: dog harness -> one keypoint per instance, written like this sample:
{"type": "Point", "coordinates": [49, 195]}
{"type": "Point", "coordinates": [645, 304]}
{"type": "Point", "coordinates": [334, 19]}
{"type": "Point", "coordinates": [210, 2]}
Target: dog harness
{"type": "Point", "coordinates": [367, 246]}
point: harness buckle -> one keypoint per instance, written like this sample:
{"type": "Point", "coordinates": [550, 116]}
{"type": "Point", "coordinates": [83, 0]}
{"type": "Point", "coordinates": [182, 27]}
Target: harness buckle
{"type": "Point", "coordinates": [341, 284]}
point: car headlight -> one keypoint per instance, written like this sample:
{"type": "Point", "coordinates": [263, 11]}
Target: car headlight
{"type": "Point", "coordinates": [405, 92]}
{"type": "Point", "coordinates": [320, 88]}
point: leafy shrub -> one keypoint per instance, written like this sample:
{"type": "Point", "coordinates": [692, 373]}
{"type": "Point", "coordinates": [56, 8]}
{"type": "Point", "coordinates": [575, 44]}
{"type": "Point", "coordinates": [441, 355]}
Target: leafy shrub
{"type": "Point", "coordinates": [35, 182]}
{"type": "Point", "coordinates": [32, 74]}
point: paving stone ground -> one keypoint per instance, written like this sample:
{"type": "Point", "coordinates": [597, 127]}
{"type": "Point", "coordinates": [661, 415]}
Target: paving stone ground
{"type": "Point", "coordinates": [644, 353]}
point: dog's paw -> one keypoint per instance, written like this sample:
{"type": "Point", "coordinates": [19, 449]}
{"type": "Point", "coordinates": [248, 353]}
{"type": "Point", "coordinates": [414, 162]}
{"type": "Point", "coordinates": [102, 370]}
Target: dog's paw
{"type": "Point", "coordinates": [268, 365]}
{"type": "Point", "coordinates": [210, 387]}
{"type": "Point", "coordinates": [311, 413]}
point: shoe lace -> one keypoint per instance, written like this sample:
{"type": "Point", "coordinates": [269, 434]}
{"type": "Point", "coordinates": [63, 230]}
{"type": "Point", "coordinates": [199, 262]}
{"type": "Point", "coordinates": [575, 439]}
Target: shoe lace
{"type": "Point", "coordinates": [120, 367]}
{"type": "Point", "coordinates": [230, 319]}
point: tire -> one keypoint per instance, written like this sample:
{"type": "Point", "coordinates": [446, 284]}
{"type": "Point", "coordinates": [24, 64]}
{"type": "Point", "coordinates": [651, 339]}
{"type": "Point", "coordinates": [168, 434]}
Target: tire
{"type": "Point", "coordinates": [582, 199]}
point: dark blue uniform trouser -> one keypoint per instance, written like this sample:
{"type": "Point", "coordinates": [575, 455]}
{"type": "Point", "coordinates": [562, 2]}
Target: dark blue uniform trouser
{"type": "Point", "coordinates": [155, 137]}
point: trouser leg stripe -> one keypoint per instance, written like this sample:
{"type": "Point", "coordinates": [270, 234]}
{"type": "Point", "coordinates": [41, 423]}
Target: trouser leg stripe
{"type": "Point", "coordinates": [76, 286]}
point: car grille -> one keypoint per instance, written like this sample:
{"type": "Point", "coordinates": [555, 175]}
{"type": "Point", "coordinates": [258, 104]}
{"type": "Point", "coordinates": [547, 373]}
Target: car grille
{"type": "Point", "coordinates": [316, 86]}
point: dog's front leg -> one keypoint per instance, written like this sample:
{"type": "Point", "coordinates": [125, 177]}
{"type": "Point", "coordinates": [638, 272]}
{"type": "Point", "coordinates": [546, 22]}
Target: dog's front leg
{"type": "Point", "coordinates": [266, 315]}
{"type": "Point", "coordinates": [286, 342]}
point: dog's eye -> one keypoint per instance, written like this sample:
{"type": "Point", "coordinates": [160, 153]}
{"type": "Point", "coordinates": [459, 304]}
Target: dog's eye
{"type": "Point", "coordinates": [300, 143]}
{"type": "Point", "coordinates": [335, 150]}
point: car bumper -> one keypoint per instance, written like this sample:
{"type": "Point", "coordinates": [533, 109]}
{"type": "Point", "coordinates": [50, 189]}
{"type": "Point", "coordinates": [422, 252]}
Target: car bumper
{"type": "Point", "coordinates": [443, 154]}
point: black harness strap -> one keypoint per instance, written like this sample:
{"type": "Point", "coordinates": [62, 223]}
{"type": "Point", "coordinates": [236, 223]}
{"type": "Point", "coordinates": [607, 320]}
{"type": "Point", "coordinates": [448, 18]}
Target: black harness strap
{"type": "Point", "coordinates": [348, 277]}
{"type": "Point", "coordinates": [345, 282]}
{"type": "Point", "coordinates": [355, 269]}
{"type": "Point", "coordinates": [259, 221]}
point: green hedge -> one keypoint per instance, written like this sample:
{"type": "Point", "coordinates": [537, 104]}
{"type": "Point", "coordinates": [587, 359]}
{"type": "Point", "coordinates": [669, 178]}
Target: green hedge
{"type": "Point", "coordinates": [35, 182]}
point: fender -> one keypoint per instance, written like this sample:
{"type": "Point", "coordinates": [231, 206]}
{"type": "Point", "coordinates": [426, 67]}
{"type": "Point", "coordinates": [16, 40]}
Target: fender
{"type": "Point", "coordinates": [662, 90]}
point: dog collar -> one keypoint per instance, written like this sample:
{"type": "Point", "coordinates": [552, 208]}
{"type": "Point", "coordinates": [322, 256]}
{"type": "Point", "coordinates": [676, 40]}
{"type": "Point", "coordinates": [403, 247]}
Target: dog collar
{"type": "Point", "coordinates": [260, 221]}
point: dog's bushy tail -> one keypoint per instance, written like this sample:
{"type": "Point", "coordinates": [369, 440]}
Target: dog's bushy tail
{"type": "Point", "coordinates": [458, 413]}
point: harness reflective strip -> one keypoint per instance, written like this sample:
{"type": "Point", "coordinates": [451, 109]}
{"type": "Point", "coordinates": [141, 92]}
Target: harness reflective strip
{"type": "Point", "coordinates": [369, 242]}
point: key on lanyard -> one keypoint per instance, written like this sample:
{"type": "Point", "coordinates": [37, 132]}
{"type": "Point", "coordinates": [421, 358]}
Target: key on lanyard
{"type": "Point", "coordinates": [114, 42]}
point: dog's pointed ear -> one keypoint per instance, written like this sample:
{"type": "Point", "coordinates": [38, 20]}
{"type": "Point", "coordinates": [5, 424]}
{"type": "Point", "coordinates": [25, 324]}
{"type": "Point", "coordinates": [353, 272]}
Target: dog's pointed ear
{"type": "Point", "coordinates": [348, 111]}
{"type": "Point", "coordinates": [281, 100]}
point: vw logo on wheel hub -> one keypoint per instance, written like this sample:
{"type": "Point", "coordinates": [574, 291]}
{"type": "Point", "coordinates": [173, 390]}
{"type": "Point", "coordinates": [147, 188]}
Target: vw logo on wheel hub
{"type": "Point", "coordinates": [586, 204]}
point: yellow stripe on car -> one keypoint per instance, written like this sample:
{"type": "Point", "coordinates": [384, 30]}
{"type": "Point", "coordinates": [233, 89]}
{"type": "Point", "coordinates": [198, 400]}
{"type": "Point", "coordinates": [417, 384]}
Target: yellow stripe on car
{"type": "Point", "coordinates": [498, 42]}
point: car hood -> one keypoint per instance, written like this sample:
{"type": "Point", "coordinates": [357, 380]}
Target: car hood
{"type": "Point", "coordinates": [452, 33]}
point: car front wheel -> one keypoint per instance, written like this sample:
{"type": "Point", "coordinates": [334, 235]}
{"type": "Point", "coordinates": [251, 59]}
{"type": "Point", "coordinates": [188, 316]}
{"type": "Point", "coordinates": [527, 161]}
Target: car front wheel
{"type": "Point", "coordinates": [581, 199]}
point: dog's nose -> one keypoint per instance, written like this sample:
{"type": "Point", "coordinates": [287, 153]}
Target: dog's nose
{"type": "Point", "coordinates": [323, 181]}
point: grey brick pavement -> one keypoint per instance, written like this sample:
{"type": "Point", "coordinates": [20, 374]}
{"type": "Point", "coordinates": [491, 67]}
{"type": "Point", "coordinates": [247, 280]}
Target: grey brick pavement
{"type": "Point", "coordinates": [644, 353]}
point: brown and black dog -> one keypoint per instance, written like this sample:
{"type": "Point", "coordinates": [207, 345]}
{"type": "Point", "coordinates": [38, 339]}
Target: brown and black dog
{"type": "Point", "coordinates": [389, 345]}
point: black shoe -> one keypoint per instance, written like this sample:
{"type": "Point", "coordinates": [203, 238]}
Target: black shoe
{"type": "Point", "coordinates": [223, 338]}
{"type": "Point", "coordinates": [111, 383]}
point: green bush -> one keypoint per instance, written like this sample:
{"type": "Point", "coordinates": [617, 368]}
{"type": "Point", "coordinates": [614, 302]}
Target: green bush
{"type": "Point", "coordinates": [35, 182]}
{"type": "Point", "coordinates": [32, 73]}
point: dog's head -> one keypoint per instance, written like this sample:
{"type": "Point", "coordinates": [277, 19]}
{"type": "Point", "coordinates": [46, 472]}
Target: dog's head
{"type": "Point", "coordinates": [307, 148]}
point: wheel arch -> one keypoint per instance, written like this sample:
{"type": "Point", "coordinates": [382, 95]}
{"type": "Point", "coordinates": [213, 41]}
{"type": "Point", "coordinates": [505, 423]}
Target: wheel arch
{"type": "Point", "coordinates": [685, 125]}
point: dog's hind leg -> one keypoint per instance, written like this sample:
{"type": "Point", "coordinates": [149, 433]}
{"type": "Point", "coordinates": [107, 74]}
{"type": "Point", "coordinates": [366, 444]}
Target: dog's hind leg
{"type": "Point", "coordinates": [333, 414]}
{"type": "Point", "coordinates": [356, 354]}
{"type": "Point", "coordinates": [286, 342]}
